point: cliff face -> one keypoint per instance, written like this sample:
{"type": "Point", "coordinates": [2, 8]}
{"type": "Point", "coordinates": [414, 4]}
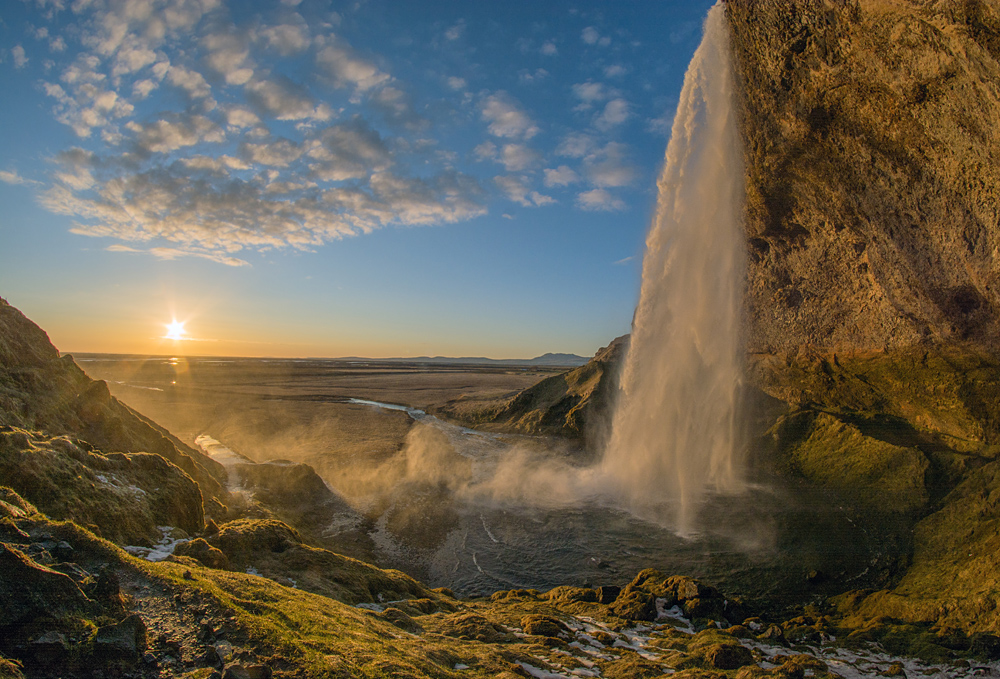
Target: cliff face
{"type": "Point", "coordinates": [873, 172]}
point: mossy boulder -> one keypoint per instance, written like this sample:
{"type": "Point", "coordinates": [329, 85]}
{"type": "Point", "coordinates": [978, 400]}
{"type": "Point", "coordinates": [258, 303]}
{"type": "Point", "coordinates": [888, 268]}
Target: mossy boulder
{"type": "Point", "coordinates": [543, 625]}
{"type": "Point", "coordinates": [203, 552]}
{"type": "Point", "coordinates": [725, 656]}
{"type": "Point", "coordinates": [127, 496]}
{"type": "Point", "coordinates": [473, 627]}
{"type": "Point", "coordinates": [567, 595]}
{"type": "Point", "coordinates": [246, 538]}
{"type": "Point", "coordinates": [634, 605]}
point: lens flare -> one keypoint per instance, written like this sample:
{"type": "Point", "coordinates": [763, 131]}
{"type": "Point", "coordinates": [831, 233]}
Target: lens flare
{"type": "Point", "coordinates": [175, 330]}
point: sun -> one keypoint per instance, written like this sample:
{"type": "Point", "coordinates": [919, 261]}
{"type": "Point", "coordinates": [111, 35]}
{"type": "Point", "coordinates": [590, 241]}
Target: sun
{"type": "Point", "coordinates": [175, 330]}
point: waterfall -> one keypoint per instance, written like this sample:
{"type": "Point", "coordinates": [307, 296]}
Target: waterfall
{"type": "Point", "coordinates": [673, 436]}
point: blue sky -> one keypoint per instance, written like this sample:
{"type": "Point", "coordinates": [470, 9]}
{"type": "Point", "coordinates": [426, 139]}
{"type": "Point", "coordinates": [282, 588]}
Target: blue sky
{"type": "Point", "coordinates": [307, 178]}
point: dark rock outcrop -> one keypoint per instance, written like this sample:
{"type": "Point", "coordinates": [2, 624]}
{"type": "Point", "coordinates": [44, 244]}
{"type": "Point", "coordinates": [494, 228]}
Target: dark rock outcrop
{"type": "Point", "coordinates": [575, 404]}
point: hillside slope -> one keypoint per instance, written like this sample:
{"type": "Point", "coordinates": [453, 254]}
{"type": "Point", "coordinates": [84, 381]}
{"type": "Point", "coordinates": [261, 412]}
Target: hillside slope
{"type": "Point", "coordinates": [574, 404]}
{"type": "Point", "coordinates": [45, 392]}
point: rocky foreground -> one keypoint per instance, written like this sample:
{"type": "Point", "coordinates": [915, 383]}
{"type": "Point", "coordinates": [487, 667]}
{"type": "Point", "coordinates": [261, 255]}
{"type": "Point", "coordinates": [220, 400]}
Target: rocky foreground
{"type": "Point", "coordinates": [117, 561]}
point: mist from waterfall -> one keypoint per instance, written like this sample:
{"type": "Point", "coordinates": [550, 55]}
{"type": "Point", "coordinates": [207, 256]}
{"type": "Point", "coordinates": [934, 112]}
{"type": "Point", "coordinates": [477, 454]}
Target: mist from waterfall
{"type": "Point", "coordinates": [674, 434]}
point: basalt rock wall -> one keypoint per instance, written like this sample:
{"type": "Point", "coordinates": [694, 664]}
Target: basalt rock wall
{"type": "Point", "coordinates": [873, 172]}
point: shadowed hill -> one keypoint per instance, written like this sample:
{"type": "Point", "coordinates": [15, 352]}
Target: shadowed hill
{"type": "Point", "coordinates": [574, 404]}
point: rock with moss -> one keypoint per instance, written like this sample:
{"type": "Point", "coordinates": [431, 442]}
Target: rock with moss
{"type": "Point", "coordinates": [127, 496]}
{"type": "Point", "coordinates": [203, 552]}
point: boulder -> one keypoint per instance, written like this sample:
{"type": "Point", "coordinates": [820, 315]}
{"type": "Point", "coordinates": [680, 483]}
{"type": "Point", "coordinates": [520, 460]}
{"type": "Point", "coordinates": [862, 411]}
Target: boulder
{"type": "Point", "coordinates": [29, 590]}
{"type": "Point", "coordinates": [571, 595]}
{"type": "Point", "coordinates": [634, 605]}
{"type": "Point", "coordinates": [728, 656]}
{"type": "Point", "coordinates": [125, 640]}
{"type": "Point", "coordinates": [473, 627]}
{"type": "Point", "coordinates": [543, 625]}
{"type": "Point", "coordinates": [205, 553]}
{"type": "Point", "coordinates": [243, 538]}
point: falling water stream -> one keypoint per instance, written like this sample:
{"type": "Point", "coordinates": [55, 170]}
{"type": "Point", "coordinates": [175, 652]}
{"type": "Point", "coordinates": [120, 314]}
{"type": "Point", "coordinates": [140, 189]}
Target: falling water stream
{"type": "Point", "coordinates": [673, 435]}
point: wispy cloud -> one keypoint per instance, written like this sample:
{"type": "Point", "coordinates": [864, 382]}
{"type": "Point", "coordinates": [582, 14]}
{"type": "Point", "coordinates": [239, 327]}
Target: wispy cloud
{"type": "Point", "coordinates": [599, 200]}
{"type": "Point", "coordinates": [12, 177]}
{"type": "Point", "coordinates": [518, 189]}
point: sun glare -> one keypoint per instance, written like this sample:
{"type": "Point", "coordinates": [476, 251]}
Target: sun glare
{"type": "Point", "coordinates": [175, 330]}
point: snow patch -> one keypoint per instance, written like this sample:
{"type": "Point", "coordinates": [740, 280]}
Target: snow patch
{"type": "Point", "coordinates": [161, 550]}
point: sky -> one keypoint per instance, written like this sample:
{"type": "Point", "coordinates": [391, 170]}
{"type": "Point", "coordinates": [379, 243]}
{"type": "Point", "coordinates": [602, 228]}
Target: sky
{"type": "Point", "coordinates": [314, 178]}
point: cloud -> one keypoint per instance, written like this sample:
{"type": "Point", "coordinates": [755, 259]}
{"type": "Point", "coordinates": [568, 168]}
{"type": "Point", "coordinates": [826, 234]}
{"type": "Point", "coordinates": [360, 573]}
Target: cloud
{"type": "Point", "coordinates": [624, 260]}
{"type": "Point", "coordinates": [505, 117]}
{"type": "Point", "coordinates": [532, 76]}
{"type": "Point", "coordinates": [560, 176]}
{"type": "Point", "coordinates": [456, 83]}
{"type": "Point", "coordinates": [176, 253]}
{"type": "Point", "coordinates": [133, 56]}
{"type": "Point", "coordinates": [614, 71]}
{"type": "Point", "coordinates": [229, 56]}
{"type": "Point", "coordinates": [519, 190]}
{"type": "Point", "coordinates": [175, 132]}
{"type": "Point", "coordinates": [590, 36]}
{"type": "Point", "coordinates": [455, 32]}
{"type": "Point", "coordinates": [278, 153]}
{"type": "Point", "coordinates": [663, 124]}
{"type": "Point", "coordinates": [14, 178]}
{"type": "Point", "coordinates": [485, 151]}
{"type": "Point", "coordinates": [142, 88]}
{"type": "Point", "coordinates": [615, 113]}
{"type": "Point", "coordinates": [285, 100]}
{"type": "Point", "coordinates": [215, 218]}
{"type": "Point", "coordinates": [238, 116]}
{"type": "Point", "coordinates": [589, 93]}
{"type": "Point", "coordinates": [87, 104]}
{"type": "Point", "coordinates": [396, 107]}
{"type": "Point", "coordinates": [20, 59]}
{"type": "Point", "coordinates": [608, 166]}
{"type": "Point", "coordinates": [350, 150]}
{"type": "Point", "coordinates": [518, 157]}
{"type": "Point", "coordinates": [549, 49]}
{"type": "Point", "coordinates": [599, 200]}
{"type": "Point", "coordinates": [218, 165]}
{"type": "Point", "coordinates": [576, 145]}
{"type": "Point", "coordinates": [192, 82]}
{"type": "Point", "coordinates": [346, 69]}
{"type": "Point", "coordinates": [287, 38]}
